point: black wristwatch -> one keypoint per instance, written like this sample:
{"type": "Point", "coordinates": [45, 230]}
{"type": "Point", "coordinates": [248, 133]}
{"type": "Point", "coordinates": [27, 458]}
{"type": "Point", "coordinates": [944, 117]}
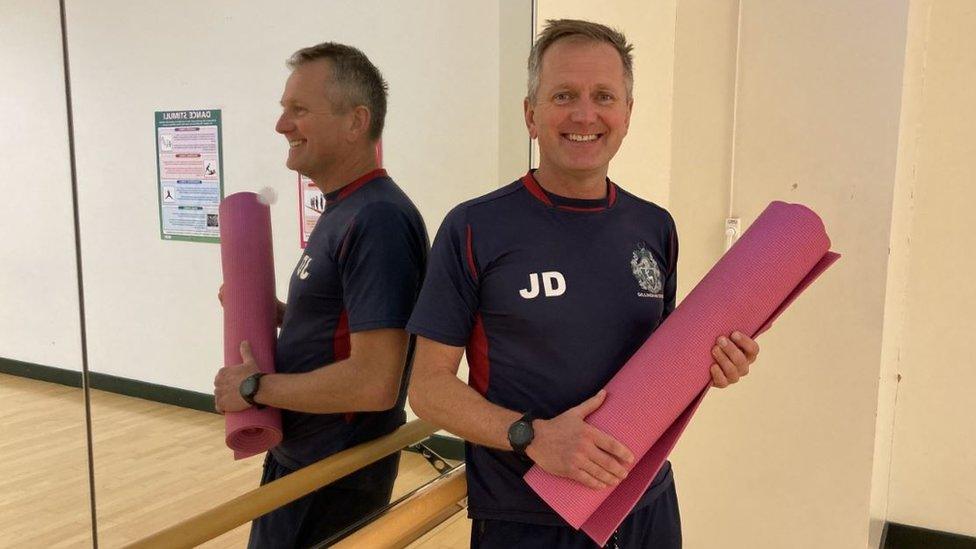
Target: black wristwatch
{"type": "Point", "coordinates": [520, 434]}
{"type": "Point", "coordinates": [249, 388]}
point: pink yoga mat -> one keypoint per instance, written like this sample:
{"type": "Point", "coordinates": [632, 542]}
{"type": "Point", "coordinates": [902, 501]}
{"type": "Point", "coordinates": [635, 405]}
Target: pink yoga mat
{"type": "Point", "coordinates": [249, 312]}
{"type": "Point", "coordinates": [653, 396]}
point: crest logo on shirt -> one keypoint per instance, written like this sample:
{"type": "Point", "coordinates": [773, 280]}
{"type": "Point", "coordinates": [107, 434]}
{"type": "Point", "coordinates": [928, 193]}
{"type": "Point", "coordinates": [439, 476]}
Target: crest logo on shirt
{"type": "Point", "coordinates": [647, 272]}
{"type": "Point", "coordinates": [302, 271]}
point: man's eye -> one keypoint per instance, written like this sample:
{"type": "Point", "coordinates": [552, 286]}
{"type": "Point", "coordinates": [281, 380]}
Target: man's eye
{"type": "Point", "coordinates": [561, 97]}
{"type": "Point", "coordinates": [604, 97]}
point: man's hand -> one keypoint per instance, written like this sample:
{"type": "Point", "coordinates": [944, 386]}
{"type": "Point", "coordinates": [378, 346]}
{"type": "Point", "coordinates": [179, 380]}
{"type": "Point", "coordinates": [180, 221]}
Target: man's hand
{"type": "Point", "coordinates": [733, 355]}
{"type": "Point", "coordinates": [279, 306]}
{"type": "Point", "coordinates": [569, 447]}
{"type": "Point", "coordinates": [227, 383]}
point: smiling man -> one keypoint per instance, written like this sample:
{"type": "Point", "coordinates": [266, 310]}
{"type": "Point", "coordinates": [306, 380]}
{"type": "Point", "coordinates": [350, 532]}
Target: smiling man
{"type": "Point", "coordinates": [342, 354]}
{"type": "Point", "coordinates": [551, 283]}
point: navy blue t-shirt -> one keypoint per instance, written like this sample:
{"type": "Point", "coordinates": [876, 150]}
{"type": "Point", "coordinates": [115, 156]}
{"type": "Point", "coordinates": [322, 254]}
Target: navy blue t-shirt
{"type": "Point", "coordinates": [362, 270]}
{"type": "Point", "coordinates": [550, 296]}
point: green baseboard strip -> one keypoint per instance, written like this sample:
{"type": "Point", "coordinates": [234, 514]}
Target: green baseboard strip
{"type": "Point", "coordinates": [112, 384]}
{"type": "Point", "coordinates": [50, 374]}
{"type": "Point", "coordinates": [903, 536]}
{"type": "Point", "coordinates": [150, 391]}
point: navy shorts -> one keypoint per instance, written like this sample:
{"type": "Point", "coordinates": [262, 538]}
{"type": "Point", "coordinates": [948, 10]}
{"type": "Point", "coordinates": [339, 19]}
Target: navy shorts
{"type": "Point", "coordinates": [325, 512]}
{"type": "Point", "coordinates": [656, 526]}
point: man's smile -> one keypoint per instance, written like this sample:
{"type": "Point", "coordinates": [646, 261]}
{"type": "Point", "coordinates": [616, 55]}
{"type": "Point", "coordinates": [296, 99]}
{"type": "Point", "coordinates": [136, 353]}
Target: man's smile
{"type": "Point", "coordinates": [582, 137]}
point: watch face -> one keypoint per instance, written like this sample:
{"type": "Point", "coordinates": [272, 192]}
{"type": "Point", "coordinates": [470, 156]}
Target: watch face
{"type": "Point", "coordinates": [521, 433]}
{"type": "Point", "coordinates": [248, 386]}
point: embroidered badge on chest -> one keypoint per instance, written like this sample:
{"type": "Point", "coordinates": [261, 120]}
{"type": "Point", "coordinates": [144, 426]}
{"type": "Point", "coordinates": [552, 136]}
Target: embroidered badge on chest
{"type": "Point", "coordinates": [647, 272]}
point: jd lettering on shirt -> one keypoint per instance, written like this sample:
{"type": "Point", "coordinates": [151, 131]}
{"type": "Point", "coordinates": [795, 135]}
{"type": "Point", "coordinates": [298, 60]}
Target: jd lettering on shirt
{"type": "Point", "coordinates": [553, 285]}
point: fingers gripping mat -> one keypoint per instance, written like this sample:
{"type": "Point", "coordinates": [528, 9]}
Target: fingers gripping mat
{"type": "Point", "coordinates": [651, 399]}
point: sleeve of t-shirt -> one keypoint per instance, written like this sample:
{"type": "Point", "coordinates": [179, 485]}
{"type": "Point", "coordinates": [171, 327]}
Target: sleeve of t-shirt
{"type": "Point", "coordinates": [448, 302]}
{"type": "Point", "coordinates": [671, 280]}
{"type": "Point", "coordinates": [381, 262]}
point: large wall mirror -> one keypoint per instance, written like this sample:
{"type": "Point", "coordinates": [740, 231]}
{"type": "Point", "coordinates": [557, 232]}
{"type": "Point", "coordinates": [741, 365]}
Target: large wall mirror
{"type": "Point", "coordinates": [153, 325]}
{"type": "Point", "coordinates": [44, 493]}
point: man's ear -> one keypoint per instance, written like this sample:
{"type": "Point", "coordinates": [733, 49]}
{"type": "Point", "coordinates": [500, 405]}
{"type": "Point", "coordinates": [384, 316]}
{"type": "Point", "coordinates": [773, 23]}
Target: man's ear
{"type": "Point", "coordinates": [359, 122]}
{"type": "Point", "coordinates": [630, 110]}
{"type": "Point", "coordinates": [529, 110]}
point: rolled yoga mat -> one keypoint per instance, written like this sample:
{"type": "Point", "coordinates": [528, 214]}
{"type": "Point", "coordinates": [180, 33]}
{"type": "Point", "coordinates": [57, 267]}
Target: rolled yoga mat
{"type": "Point", "coordinates": [249, 312]}
{"type": "Point", "coordinates": [651, 399]}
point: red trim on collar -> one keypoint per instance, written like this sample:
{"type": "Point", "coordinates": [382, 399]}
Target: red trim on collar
{"type": "Point", "coordinates": [531, 185]}
{"type": "Point", "coordinates": [359, 182]}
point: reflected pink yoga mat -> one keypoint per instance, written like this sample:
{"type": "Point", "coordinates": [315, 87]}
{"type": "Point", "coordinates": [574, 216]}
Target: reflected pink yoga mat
{"type": "Point", "coordinates": [653, 396]}
{"type": "Point", "coordinates": [249, 312]}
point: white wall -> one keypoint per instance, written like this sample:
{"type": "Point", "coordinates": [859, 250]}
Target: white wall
{"type": "Point", "coordinates": [38, 280]}
{"type": "Point", "coordinates": [152, 310]}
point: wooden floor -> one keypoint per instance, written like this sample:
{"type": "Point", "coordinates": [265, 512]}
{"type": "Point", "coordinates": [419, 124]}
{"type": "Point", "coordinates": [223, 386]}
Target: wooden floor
{"type": "Point", "coordinates": [44, 499]}
{"type": "Point", "coordinates": [155, 465]}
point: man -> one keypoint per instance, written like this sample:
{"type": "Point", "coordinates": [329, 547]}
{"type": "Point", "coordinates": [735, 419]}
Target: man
{"type": "Point", "coordinates": [552, 283]}
{"type": "Point", "coordinates": [342, 353]}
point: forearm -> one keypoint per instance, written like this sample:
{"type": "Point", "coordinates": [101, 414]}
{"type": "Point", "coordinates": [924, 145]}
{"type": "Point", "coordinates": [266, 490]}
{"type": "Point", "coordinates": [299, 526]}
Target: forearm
{"type": "Point", "coordinates": [340, 387]}
{"type": "Point", "coordinates": [449, 403]}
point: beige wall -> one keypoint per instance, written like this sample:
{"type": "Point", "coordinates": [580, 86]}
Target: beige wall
{"type": "Point", "coordinates": [897, 274]}
{"type": "Point", "coordinates": [785, 459]}
{"type": "Point", "coordinates": [933, 457]}
{"type": "Point", "coordinates": [701, 137]}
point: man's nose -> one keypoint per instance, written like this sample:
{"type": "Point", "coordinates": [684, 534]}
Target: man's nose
{"type": "Point", "coordinates": [284, 124]}
{"type": "Point", "coordinates": [584, 111]}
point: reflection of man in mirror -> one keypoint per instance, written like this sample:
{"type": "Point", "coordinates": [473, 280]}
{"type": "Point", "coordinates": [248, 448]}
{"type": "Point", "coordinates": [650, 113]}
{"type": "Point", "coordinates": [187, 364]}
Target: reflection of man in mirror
{"type": "Point", "coordinates": [342, 353]}
{"type": "Point", "coordinates": [539, 281]}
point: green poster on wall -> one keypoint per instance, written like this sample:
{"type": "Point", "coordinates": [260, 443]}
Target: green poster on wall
{"type": "Point", "coordinates": [190, 174]}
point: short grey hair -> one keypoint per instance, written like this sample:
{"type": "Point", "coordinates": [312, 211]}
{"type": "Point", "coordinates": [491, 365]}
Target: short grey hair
{"type": "Point", "coordinates": [561, 29]}
{"type": "Point", "coordinates": [358, 80]}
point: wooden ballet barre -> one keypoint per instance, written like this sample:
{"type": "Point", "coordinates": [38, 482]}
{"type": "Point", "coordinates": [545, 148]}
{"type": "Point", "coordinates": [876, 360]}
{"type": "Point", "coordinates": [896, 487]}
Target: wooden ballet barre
{"type": "Point", "coordinates": [246, 507]}
{"type": "Point", "coordinates": [415, 516]}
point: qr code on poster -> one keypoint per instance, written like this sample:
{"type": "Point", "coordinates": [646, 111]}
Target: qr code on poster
{"type": "Point", "coordinates": [212, 220]}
